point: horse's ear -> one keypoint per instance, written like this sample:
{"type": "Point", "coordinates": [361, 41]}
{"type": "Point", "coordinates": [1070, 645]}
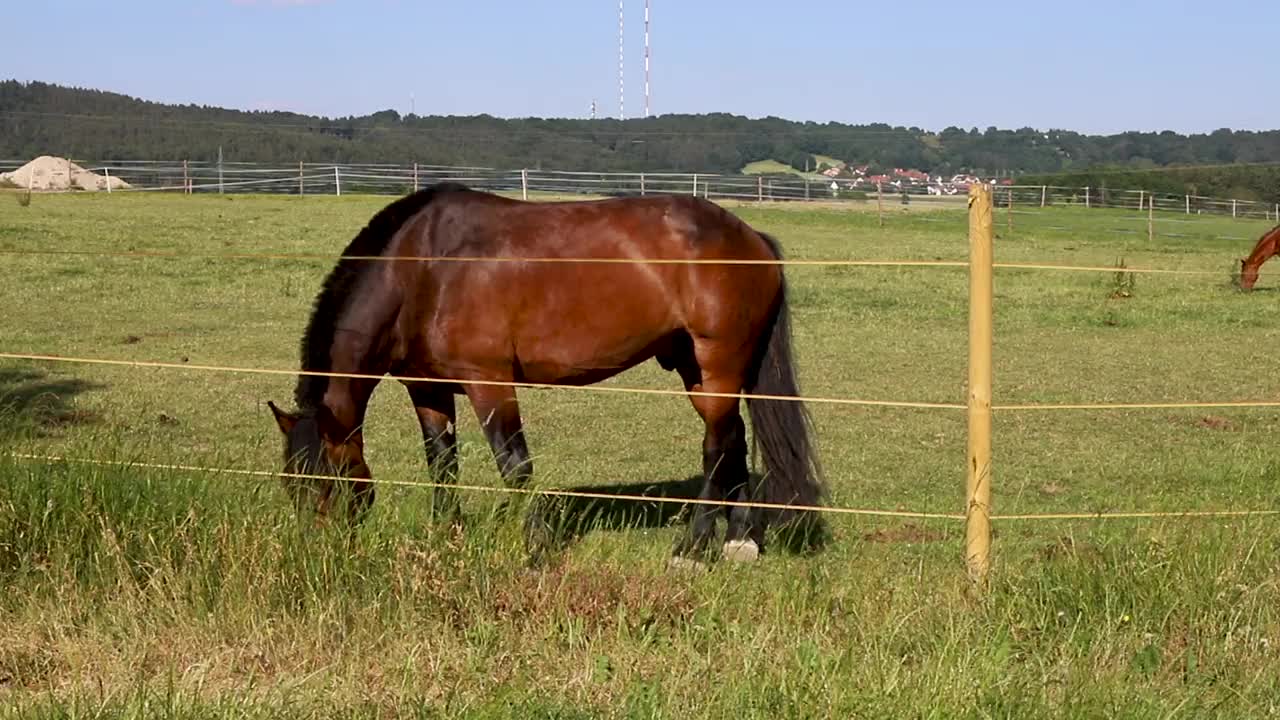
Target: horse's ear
{"type": "Point", "coordinates": [285, 420]}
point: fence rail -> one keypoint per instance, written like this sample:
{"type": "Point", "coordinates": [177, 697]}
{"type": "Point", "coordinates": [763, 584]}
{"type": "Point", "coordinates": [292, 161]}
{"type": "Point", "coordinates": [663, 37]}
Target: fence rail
{"type": "Point", "coordinates": [979, 468]}
{"type": "Point", "coordinates": [395, 179]}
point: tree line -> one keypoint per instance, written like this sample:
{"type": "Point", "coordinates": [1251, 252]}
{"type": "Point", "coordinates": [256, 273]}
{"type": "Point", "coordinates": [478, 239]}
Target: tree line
{"type": "Point", "coordinates": [41, 118]}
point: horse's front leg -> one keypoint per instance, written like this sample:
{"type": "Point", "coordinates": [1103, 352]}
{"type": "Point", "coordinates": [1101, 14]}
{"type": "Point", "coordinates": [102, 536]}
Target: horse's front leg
{"type": "Point", "coordinates": [499, 415]}
{"type": "Point", "coordinates": [437, 416]}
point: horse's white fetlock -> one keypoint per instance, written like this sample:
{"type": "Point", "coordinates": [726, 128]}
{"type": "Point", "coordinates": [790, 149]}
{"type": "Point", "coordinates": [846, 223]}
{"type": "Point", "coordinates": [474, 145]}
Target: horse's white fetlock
{"type": "Point", "coordinates": [741, 550]}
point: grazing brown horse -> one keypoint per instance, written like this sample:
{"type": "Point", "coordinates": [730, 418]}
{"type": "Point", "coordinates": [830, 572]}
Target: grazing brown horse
{"type": "Point", "coordinates": [1268, 246]}
{"type": "Point", "coordinates": [481, 317]}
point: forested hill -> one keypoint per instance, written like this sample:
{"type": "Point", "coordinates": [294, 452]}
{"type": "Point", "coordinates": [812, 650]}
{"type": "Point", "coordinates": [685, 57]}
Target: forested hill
{"type": "Point", "coordinates": [40, 118]}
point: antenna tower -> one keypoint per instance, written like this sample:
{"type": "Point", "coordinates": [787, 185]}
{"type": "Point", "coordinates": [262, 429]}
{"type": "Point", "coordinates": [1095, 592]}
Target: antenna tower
{"type": "Point", "coordinates": [621, 114]}
{"type": "Point", "coordinates": [646, 58]}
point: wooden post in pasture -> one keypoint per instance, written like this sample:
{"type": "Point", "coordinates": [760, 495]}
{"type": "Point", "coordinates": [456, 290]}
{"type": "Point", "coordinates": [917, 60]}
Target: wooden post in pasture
{"type": "Point", "coordinates": [695, 184]}
{"type": "Point", "coordinates": [1188, 200]}
{"type": "Point", "coordinates": [1141, 196]}
{"type": "Point", "coordinates": [524, 183]}
{"type": "Point", "coordinates": [759, 189]}
{"type": "Point", "coordinates": [1009, 214]}
{"type": "Point", "coordinates": [880, 203]}
{"type": "Point", "coordinates": [337, 181]}
{"type": "Point", "coordinates": [1151, 218]}
{"type": "Point", "coordinates": [1044, 192]}
{"type": "Point", "coordinates": [1233, 207]}
{"type": "Point", "coordinates": [1086, 196]}
{"type": "Point", "coordinates": [107, 172]}
{"type": "Point", "coordinates": [978, 468]}
{"type": "Point", "coordinates": [415, 177]}
{"type": "Point", "coordinates": [806, 188]}
{"type": "Point", "coordinates": [302, 187]}
{"type": "Point", "coordinates": [186, 178]}
{"type": "Point", "coordinates": [642, 184]}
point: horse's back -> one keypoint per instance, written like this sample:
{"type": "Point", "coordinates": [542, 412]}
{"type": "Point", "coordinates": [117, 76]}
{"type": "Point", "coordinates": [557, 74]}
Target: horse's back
{"type": "Point", "coordinates": [587, 304]}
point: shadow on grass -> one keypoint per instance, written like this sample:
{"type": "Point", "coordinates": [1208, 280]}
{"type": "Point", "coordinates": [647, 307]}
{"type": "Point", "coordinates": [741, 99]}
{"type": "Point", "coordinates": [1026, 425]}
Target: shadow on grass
{"type": "Point", "coordinates": [565, 519]}
{"type": "Point", "coordinates": [31, 402]}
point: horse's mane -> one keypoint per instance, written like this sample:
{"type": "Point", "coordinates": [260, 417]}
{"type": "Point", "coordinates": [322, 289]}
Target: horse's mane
{"type": "Point", "coordinates": [330, 303]}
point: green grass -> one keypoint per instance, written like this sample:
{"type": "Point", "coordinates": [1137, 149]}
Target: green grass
{"type": "Point", "coordinates": [770, 167]}
{"type": "Point", "coordinates": [761, 167]}
{"type": "Point", "coordinates": [825, 159]}
{"type": "Point", "coordinates": [130, 591]}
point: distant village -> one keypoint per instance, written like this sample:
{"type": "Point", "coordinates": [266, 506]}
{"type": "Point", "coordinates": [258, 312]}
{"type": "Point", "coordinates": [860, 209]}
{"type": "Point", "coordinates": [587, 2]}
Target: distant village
{"type": "Point", "coordinates": [856, 177]}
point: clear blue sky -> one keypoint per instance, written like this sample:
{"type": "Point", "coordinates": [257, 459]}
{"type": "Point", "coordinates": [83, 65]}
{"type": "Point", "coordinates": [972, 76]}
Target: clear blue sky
{"type": "Point", "coordinates": [1079, 65]}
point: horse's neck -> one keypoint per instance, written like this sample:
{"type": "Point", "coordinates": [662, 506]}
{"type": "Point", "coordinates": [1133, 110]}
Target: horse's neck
{"type": "Point", "coordinates": [347, 399]}
{"type": "Point", "coordinates": [1268, 247]}
{"type": "Point", "coordinates": [356, 367]}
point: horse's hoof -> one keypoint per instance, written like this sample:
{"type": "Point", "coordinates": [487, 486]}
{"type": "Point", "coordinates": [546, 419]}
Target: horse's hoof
{"type": "Point", "coordinates": [679, 562]}
{"type": "Point", "coordinates": [741, 551]}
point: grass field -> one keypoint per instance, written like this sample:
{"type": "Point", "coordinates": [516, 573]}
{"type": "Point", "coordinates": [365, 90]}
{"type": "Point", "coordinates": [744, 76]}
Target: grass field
{"type": "Point", "coordinates": [773, 167]}
{"type": "Point", "coordinates": [183, 594]}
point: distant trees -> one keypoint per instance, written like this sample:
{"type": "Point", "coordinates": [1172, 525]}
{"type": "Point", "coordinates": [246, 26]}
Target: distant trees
{"type": "Point", "coordinates": [39, 118]}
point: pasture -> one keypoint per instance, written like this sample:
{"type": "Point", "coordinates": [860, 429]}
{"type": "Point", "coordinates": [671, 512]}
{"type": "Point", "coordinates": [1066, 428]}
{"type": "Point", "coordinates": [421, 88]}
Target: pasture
{"type": "Point", "coordinates": [188, 594]}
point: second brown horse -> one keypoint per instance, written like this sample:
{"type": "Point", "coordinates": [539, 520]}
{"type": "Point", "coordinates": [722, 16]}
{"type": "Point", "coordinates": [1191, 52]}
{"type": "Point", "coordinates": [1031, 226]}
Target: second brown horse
{"type": "Point", "coordinates": [502, 294]}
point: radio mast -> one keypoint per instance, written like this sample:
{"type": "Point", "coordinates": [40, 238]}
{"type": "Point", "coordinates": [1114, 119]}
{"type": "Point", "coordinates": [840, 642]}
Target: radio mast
{"type": "Point", "coordinates": [646, 58]}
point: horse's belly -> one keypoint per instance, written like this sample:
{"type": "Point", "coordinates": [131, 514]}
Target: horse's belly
{"type": "Point", "coordinates": [581, 357]}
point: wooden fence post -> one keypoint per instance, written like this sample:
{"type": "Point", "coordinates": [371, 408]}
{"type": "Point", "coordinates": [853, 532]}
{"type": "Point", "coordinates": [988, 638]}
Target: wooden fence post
{"type": "Point", "coordinates": [1151, 218]}
{"type": "Point", "coordinates": [186, 178]}
{"type": "Point", "coordinates": [107, 172]}
{"type": "Point", "coordinates": [1141, 195]}
{"type": "Point", "coordinates": [880, 203]}
{"type": "Point", "coordinates": [1044, 191]}
{"type": "Point", "coordinates": [1009, 217]}
{"type": "Point", "coordinates": [301, 186]}
{"type": "Point", "coordinates": [337, 181]}
{"type": "Point", "coordinates": [978, 467]}
{"type": "Point", "coordinates": [641, 184]}
{"type": "Point", "coordinates": [524, 183]}
{"type": "Point", "coordinates": [1188, 200]}
{"type": "Point", "coordinates": [1233, 208]}
{"type": "Point", "coordinates": [759, 188]}
{"type": "Point", "coordinates": [695, 184]}
{"type": "Point", "coordinates": [415, 177]}
{"type": "Point", "coordinates": [1086, 196]}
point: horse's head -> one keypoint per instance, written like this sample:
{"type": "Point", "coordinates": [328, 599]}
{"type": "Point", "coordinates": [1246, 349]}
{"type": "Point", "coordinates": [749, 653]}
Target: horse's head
{"type": "Point", "coordinates": [1248, 274]}
{"type": "Point", "coordinates": [316, 444]}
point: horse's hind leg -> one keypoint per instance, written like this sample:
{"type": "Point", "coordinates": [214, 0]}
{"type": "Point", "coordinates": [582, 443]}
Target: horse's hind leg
{"type": "Point", "coordinates": [724, 462]}
{"type": "Point", "coordinates": [437, 416]}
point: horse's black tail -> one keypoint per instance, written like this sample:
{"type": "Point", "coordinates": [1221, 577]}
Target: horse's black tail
{"type": "Point", "coordinates": [782, 430]}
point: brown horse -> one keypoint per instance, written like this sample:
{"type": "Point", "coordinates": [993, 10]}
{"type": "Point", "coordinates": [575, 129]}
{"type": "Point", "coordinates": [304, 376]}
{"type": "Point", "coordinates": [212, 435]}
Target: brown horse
{"type": "Point", "coordinates": [1268, 246]}
{"type": "Point", "coordinates": [479, 321]}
